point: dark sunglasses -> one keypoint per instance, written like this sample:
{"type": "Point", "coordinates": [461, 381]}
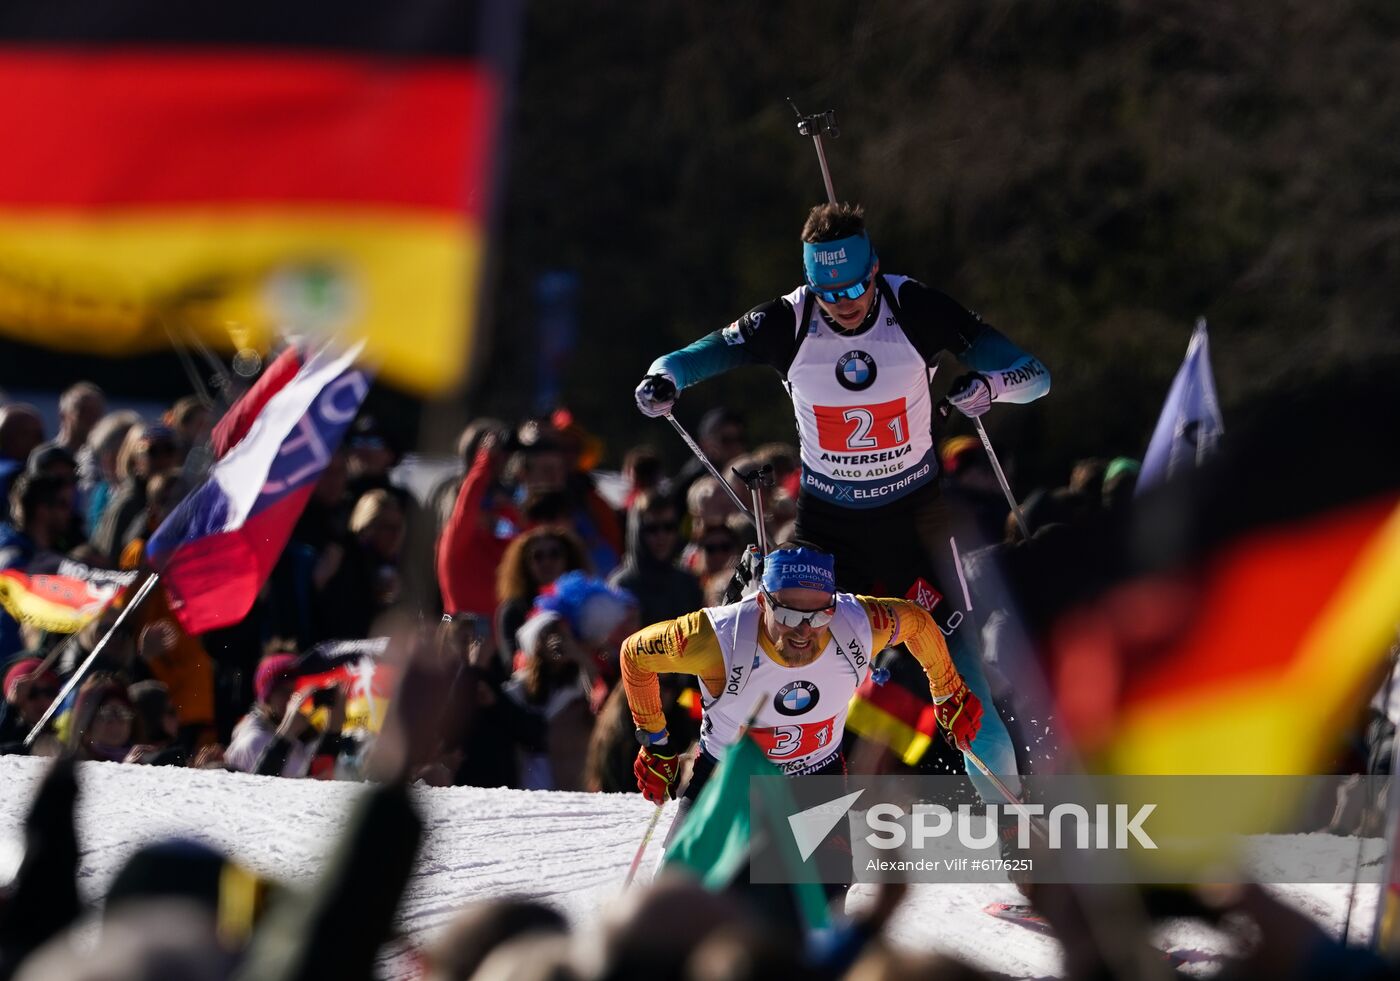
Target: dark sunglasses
{"type": "Point", "coordinates": [656, 527]}
{"type": "Point", "coordinates": [853, 292]}
{"type": "Point", "coordinates": [546, 554]}
{"type": "Point", "coordinates": [44, 693]}
{"type": "Point", "coordinates": [714, 547]}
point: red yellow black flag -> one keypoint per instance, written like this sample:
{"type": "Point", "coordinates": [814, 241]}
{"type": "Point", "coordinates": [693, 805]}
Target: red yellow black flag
{"type": "Point", "coordinates": [231, 171]}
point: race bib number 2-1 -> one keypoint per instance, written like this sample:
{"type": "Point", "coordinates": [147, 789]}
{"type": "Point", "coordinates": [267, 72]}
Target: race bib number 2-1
{"type": "Point", "coordinates": [862, 428]}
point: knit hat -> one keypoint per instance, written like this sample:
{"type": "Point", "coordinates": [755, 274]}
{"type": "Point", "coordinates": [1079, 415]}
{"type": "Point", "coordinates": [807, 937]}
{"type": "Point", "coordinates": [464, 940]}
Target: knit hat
{"type": "Point", "coordinates": [24, 666]}
{"type": "Point", "coordinates": [272, 671]}
{"type": "Point", "coordinates": [590, 607]}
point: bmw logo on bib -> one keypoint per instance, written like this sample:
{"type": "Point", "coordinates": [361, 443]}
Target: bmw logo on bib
{"type": "Point", "coordinates": [796, 698]}
{"type": "Point", "coordinates": [855, 370]}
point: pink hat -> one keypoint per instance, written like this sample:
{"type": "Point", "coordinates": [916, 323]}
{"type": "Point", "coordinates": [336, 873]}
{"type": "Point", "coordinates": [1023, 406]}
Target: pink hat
{"type": "Point", "coordinates": [272, 671]}
{"type": "Point", "coordinates": [24, 666]}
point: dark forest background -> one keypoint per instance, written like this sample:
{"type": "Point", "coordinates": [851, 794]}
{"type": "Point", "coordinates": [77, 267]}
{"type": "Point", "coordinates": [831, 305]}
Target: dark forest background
{"type": "Point", "coordinates": [1089, 176]}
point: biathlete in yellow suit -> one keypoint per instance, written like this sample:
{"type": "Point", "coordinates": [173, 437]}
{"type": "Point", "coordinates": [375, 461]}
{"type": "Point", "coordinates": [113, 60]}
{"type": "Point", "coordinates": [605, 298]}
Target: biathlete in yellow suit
{"type": "Point", "coordinates": [785, 662]}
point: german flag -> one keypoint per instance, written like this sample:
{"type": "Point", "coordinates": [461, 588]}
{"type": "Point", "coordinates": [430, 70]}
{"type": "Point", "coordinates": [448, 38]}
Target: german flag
{"type": "Point", "coordinates": [56, 603]}
{"type": "Point", "coordinates": [1255, 662]}
{"type": "Point", "coordinates": [894, 716]}
{"type": "Point", "coordinates": [231, 171]}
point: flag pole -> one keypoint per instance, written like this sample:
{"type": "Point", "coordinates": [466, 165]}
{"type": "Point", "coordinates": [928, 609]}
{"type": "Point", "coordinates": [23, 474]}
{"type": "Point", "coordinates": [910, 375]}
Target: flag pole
{"type": "Point", "coordinates": [97, 649]}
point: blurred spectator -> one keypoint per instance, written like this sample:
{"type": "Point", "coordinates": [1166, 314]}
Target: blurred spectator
{"type": "Point", "coordinates": [97, 464]}
{"type": "Point", "coordinates": [474, 540]}
{"type": "Point", "coordinates": [357, 581]}
{"type": "Point", "coordinates": [443, 497]}
{"type": "Point", "coordinates": [650, 571]}
{"type": "Point", "coordinates": [165, 649]}
{"type": "Point", "coordinates": [481, 727]}
{"type": "Point", "coordinates": [779, 507]}
{"type": "Point", "coordinates": [80, 407]}
{"type": "Point", "coordinates": [157, 726]}
{"type": "Point", "coordinates": [786, 464]}
{"type": "Point", "coordinates": [190, 421]}
{"type": "Point", "coordinates": [976, 503]}
{"type": "Point", "coordinates": [1041, 508]}
{"type": "Point", "coordinates": [569, 647]}
{"type": "Point", "coordinates": [612, 751]}
{"type": "Point", "coordinates": [306, 565]}
{"type": "Point", "coordinates": [103, 723]}
{"type": "Point", "coordinates": [276, 738]}
{"type": "Point", "coordinates": [372, 454]}
{"type": "Point", "coordinates": [21, 430]}
{"type": "Point", "coordinates": [713, 551]}
{"type": "Point", "coordinates": [464, 945]}
{"type": "Point", "coordinates": [146, 450]}
{"type": "Point", "coordinates": [641, 471]}
{"type": "Point", "coordinates": [531, 562]}
{"type": "Point", "coordinates": [707, 504]}
{"type": "Point", "coordinates": [1120, 483]}
{"type": "Point", "coordinates": [54, 461]}
{"type": "Point", "coordinates": [553, 690]}
{"type": "Point", "coordinates": [41, 508]}
{"type": "Point", "coordinates": [721, 436]}
{"type": "Point", "coordinates": [548, 463]}
{"type": "Point", "coordinates": [1086, 477]}
{"type": "Point", "coordinates": [28, 692]}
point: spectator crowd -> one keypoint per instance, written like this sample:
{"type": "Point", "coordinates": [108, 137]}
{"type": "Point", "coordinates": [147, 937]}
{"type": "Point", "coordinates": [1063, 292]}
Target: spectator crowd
{"type": "Point", "coordinates": [531, 565]}
{"type": "Point", "coordinates": [535, 574]}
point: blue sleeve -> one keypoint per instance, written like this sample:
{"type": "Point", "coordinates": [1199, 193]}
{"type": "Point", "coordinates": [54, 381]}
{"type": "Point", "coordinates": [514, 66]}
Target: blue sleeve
{"type": "Point", "coordinates": [707, 357]}
{"type": "Point", "coordinates": [1014, 375]}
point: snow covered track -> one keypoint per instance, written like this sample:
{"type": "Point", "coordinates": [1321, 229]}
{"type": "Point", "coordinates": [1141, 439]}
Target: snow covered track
{"type": "Point", "coordinates": [572, 850]}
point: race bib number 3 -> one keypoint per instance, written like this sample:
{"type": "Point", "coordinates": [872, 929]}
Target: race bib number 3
{"type": "Point", "coordinates": [861, 428]}
{"type": "Point", "coordinates": [795, 740]}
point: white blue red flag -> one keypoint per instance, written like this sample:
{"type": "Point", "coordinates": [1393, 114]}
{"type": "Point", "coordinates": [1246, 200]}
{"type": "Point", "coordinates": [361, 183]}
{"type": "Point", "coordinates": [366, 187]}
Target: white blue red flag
{"type": "Point", "coordinates": [1190, 423]}
{"type": "Point", "coordinates": [218, 547]}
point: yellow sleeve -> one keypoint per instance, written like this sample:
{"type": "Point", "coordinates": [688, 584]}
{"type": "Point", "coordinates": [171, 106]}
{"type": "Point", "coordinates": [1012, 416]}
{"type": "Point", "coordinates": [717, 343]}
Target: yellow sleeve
{"type": "Point", "coordinates": [898, 621]}
{"type": "Point", "coordinates": [686, 645]}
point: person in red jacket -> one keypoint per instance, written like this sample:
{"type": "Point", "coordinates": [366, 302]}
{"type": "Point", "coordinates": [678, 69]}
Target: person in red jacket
{"type": "Point", "coordinates": [475, 538]}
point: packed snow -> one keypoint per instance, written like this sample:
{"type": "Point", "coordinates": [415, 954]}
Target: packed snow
{"type": "Point", "coordinates": [571, 850]}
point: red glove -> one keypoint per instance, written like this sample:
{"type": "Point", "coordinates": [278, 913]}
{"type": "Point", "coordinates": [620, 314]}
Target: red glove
{"type": "Point", "coordinates": [960, 714]}
{"type": "Point", "coordinates": [656, 773]}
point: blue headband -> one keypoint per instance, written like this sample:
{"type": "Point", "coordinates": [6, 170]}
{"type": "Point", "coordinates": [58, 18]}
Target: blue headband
{"type": "Point", "coordinates": [799, 568]}
{"type": "Point", "coordinates": [836, 265]}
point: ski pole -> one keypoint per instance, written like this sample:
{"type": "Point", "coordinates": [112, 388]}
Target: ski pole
{"type": "Point", "coordinates": [1001, 479]}
{"type": "Point", "coordinates": [642, 848]}
{"type": "Point", "coordinates": [1002, 788]}
{"type": "Point", "coordinates": [996, 780]}
{"type": "Point", "coordinates": [714, 471]}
